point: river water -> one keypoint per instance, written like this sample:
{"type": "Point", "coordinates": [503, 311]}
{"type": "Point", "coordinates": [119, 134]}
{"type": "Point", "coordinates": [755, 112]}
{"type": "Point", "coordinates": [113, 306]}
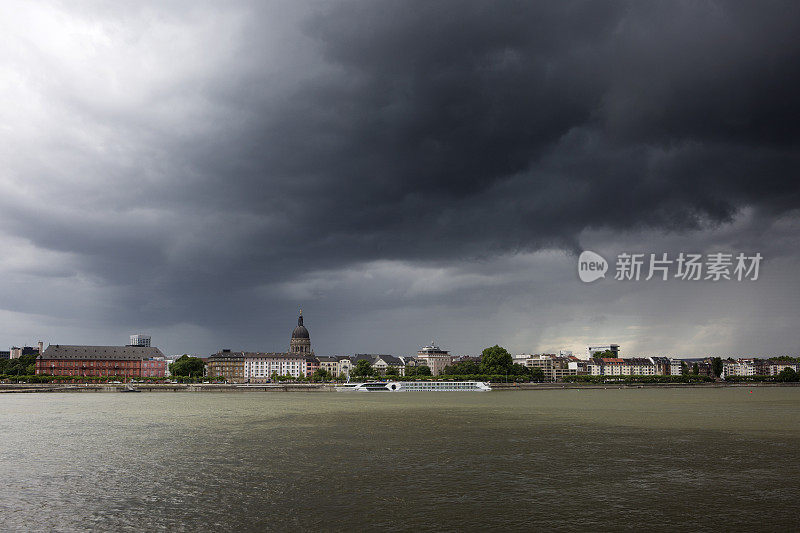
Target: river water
{"type": "Point", "coordinates": [665, 460]}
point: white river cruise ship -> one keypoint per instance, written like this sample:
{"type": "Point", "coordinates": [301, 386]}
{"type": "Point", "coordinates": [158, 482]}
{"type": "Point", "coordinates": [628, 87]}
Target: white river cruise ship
{"type": "Point", "coordinates": [417, 386]}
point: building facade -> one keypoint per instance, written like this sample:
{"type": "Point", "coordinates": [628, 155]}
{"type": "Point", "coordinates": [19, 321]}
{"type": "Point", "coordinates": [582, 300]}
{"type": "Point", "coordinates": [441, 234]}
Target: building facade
{"type": "Point", "coordinates": [776, 367]}
{"type": "Point", "coordinates": [16, 352]}
{"type": "Point", "coordinates": [544, 362]}
{"type": "Point", "coordinates": [638, 366]}
{"type": "Point", "coordinates": [634, 366]}
{"type": "Point", "coordinates": [226, 365]}
{"type": "Point", "coordinates": [82, 361]}
{"type": "Point", "coordinates": [592, 349]}
{"type": "Point", "coordinates": [260, 367]}
{"type": "Point", "coordinates": [553, 367]}
{"type": "Point", "coordinates": [140, 340]}
{"type": "Point", "coordinates": [329, 363]}
{"type": "Point", "coordinates": [435, 358]}
{"type": "Point", "coordinates": [382, 363]}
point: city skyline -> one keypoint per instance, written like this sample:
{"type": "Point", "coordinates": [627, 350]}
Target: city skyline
{"type": "Point", "coordinates": [199, 172]}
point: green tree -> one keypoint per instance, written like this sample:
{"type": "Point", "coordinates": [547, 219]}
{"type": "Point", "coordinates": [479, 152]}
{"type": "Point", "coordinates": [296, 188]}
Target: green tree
{"type": "Point", "coordinates": [421, 370]}
{"type": "Point", "coordinates": [21, 366]}
{"type": "Point", "coordinates": [695, 369]}
{"type": "Point", "coordinates": [716, 366]}
{"type": "Point", "coordinates": [392, 371]}
{"type": "Point", "coordinates": [606, 354]}
{"type": "Point", "coordinates": [187, 366]}
{"type": "Point", "coordinates": [362, 369]}
{"type": "Point", "coordinates": [788, 375]}
{"type": "Point", "coordinates": [463, 368]}
{"type": "Point", "coordinates": [519, 370]}
{"type": "Point", "coordinates": [496, 360]}
{"type": "Point", "coordinates": [321, 374]}
{"type": "Point", "coordinates": [536, 374]}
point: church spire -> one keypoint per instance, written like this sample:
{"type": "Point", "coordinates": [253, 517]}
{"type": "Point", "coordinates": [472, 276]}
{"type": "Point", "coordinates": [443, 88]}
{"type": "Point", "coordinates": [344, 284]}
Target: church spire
{"type": "Point", "coordinates": [300, 318]}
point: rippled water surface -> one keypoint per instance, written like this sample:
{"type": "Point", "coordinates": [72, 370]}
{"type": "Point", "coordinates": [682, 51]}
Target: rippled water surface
{"type": "Point", "coordinates": [699, 459]}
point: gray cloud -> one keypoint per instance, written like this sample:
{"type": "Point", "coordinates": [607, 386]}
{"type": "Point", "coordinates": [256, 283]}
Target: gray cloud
{"type": "Point", "coordinates": [197, 169]}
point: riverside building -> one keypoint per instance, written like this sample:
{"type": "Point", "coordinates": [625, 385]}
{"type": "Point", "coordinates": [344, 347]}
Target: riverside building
{"type": "Point", "coordinates": [83, 361]}
{"type": "Point", "coordinates": [260, 367]}
{"type": "Point", "coordinates": [553, 367]}
{"type": "Point", "coordinates": [226, 365]}
{"type": "Point", "coordinates": [435, 358]}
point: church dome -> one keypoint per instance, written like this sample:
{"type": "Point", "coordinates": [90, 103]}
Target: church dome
{"type": "Point", "coordinates": [300, 332]}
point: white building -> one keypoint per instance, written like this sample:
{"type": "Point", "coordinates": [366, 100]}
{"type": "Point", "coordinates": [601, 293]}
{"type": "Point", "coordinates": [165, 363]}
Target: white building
{"type": "Point", "coordinates": [545, 362]}
{"type": "Point", "coordinates": [594, 348]}
{"type": "Point", "coordinates": [259, 367]}
{"type": "Point", "coordinates": [140, 340]}
{"type": "Point", "coordinates": [553, 367]}
{"type": "Point", "coordinates": [638, 366]}
{"type": "Point", "coordinates": [345, 367]}
{"type": "Point", "coordinates": [382, 363]}
{"type": "Point", "coordinates": [776, 367]}
{"type": "Point", "coordinates": [612, 366]}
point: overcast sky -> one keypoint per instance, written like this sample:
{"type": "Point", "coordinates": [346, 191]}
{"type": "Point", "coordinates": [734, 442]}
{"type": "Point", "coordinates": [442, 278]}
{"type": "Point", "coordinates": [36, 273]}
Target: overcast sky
{"type": "Point", "coordinates": [405, 172]}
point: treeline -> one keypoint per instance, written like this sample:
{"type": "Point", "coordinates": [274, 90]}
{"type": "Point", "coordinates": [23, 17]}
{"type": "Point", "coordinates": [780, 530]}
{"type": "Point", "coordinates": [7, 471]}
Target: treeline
{"type": "Point", "coordinates": [496, 378]}
{"type": "Point", "coordinates": [21, 366]}
{"type": "Point", "coordinates": [783, 359]}
{"type": "Point", "coordinates": [72, 379]}
{"type": "Point", "coordinates": [496, 364]}
{"type": "Point", "coordinates": [638, 379]}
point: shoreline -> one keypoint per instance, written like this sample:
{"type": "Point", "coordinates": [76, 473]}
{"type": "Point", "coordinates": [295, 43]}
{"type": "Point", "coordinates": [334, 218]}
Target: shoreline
{"type": "Point", "coordinates": [19, 388]}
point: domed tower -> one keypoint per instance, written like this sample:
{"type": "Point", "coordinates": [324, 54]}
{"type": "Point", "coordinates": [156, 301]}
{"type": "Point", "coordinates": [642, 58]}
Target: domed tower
{"type": "Point", "coordinates": [301, 341]}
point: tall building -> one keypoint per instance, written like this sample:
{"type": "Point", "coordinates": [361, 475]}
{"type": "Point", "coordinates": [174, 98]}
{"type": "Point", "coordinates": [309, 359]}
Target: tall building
{"type": "Point", "coordinates": [591, 350]}
{"type": "Point", "coordinates": [140, 340]}
{"type": "Point", "coordinates": [301, 341]}
{"type": "Point", "coordinates": [16, 352]}
{"type": "Point", "coordinates": [435, 358]}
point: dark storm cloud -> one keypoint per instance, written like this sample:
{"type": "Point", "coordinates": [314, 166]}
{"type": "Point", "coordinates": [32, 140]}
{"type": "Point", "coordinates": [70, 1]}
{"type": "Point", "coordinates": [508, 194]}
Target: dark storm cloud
{"type": "Point", "coordinates": [294, 138]}
{"type": "Point", "coordinates": [468, 127]}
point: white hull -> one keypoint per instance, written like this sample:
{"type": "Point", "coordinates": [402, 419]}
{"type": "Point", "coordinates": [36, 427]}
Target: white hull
{"type": "Point", "coordinates": [347, 387]}
{"type": "Point", "coordinates": [418, 386]}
